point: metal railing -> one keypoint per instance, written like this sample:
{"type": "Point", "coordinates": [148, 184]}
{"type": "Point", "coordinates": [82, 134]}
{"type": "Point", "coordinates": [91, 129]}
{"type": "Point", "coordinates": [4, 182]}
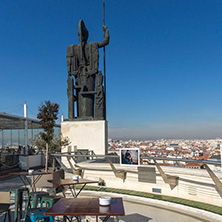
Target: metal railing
{"type": "Point", "coordinates": [73, 154]}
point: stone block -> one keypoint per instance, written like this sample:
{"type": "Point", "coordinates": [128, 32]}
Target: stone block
{"type": "Point", "coordinates": [89, 135]}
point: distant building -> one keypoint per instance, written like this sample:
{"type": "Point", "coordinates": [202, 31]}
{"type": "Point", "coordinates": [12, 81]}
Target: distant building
{"type": "Point", "coordinates": [194, 165]}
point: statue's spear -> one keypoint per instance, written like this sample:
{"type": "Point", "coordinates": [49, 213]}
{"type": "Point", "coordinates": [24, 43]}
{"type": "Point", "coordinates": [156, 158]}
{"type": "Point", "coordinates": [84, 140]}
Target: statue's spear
{"type": "Point", "coordinates": [104, 58]}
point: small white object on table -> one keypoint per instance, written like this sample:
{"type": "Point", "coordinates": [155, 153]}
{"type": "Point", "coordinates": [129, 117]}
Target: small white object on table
{"type": "Point", "coordinates": [105, 201]}
{"type": "Point", "coordinates": [30, 172]}
{"type": "Point", "coordinates": [75, 178]}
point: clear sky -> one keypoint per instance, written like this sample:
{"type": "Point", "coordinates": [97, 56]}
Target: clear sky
{"type": "Point", "coordinates": [164, 62]}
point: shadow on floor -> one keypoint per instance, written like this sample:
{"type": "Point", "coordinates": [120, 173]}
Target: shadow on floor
{"type": "Point", "coordinates": [131, 218]}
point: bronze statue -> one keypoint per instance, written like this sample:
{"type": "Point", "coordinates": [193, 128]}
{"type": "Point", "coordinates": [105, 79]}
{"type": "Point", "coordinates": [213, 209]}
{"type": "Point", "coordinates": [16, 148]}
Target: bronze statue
{"type": "Point", "coordinates": [83, 63]}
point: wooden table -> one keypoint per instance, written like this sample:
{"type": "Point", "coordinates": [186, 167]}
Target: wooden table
{"type": "Point", "coordinates": [71, 184]}
{"type": "Point", "coordinates": [76, 207]}
{"type": "Point", "coordinates": [35, 178]}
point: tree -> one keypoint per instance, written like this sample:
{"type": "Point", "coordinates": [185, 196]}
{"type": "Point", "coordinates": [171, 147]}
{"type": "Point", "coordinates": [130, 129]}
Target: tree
{"type": "Point", "coordinates": [54, 146]}
{"type": "Point", "coordinates": [48, 114]}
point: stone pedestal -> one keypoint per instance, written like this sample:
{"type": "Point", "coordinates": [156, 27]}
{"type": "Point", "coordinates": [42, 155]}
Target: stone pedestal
{"type": "Point", "coordinates": [91, 135]}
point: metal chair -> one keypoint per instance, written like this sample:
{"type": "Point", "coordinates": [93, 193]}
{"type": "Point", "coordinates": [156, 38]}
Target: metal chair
{"type": "Point", "coordinates": [36, 198]}
{"type": "Point", "coordinates": [49, 201]}
{"type": "Point", "coordinates": [38, 213]}
{"type": "Point", "coordinates": [18, 194]}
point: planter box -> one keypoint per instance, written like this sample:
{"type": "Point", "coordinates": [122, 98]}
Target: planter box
{"type": "Point", "coordinates": [27, 162]}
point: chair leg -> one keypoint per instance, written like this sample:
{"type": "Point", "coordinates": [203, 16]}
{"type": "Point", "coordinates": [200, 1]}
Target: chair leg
{"type": "Point", "coordinates": [35, 202]}
{"type": "Point", "coordinates": [117, 219]}
{"type": "Point", "coordinates": [16, 207]}
{"type": "Point", "coordinates": [20, 203]}
{"type": "Point", "coordinates": [42, 204]}
{"type": "Point", "coordinates": [25, 199]}
{"type": "Point", "coordinates": [5, 217]}
{"type": "Point", "coordinates": [27, 207]}
{"type": "Point", "coordinates": [9, 216]}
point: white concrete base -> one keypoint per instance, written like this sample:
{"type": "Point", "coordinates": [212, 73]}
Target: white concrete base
{"type": "Point", "coordinates": [91, 135]}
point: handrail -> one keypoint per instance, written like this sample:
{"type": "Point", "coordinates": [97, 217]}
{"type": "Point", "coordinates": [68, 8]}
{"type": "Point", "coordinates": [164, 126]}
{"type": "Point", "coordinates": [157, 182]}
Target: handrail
{"type": "Point", "coordinates": [171, 180]}
{"type": "Point", "coordinates": [143, 157]}
{"type": "Point", "coordinates": [83, 155]}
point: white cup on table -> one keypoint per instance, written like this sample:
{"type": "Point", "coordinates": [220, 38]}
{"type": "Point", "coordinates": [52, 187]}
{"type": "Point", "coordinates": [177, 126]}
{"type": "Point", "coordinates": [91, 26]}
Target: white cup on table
{"type": "Point", "coordinates": [104, 201]}
{"type": "Point", "coordinates": [75, 178]}
{"type": "Point", "coordinates": [30, 172]}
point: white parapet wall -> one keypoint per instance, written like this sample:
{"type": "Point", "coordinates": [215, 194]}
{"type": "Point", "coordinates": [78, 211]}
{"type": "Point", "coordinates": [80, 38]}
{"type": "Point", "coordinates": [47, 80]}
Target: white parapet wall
{"type": "Point", "coordinates": [91, 135]}
{"type": "Point", "coordinates": [193, 184]}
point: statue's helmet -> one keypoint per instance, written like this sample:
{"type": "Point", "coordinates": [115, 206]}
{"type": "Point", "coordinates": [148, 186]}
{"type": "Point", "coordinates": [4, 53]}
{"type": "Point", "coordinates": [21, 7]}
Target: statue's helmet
{"type": "Point", "coordinates": [82, 31]}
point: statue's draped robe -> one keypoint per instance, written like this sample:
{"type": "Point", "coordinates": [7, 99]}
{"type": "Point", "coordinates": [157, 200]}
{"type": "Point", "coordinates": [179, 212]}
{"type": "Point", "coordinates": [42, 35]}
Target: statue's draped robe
{"type": "Point", "coordinates": [83, 64]}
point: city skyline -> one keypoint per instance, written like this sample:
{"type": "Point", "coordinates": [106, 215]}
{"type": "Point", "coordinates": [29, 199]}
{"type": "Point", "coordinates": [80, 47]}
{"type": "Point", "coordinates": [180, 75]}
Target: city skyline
{"type": "Point", "coordinates": [163, 62]}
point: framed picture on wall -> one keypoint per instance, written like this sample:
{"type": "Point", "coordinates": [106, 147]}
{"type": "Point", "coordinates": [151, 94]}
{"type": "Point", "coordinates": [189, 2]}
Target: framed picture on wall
{"type": "Point", "coordinates": [130, 156]}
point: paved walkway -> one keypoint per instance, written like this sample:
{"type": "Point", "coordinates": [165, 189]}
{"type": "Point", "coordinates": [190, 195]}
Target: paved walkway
{"type": "Point", "coordinates": [10, 182]}
{"type": "Point", "coordinates": [140, 212]}
{"type": "Point", "coordinates": [144, 212]}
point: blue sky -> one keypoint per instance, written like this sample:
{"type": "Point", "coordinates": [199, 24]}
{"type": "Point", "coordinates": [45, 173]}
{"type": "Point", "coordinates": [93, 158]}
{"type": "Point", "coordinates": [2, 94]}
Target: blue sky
{"type": "Point", "coordinates": [164, 69]}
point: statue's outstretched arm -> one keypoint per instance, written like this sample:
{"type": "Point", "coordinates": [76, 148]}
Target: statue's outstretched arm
{"type": "Point", "coordinates": [106, 38]}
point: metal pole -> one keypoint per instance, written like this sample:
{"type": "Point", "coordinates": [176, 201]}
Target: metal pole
{"type": "Point", "coordinates": [26, 128]}
{"type": "Point", "coordinates": [221, 155]}
{"type": "Point", "coordinates": [11, 138]}
{"type": "Point", "coordinates": [2, 138]}
{"type": "Point", "coordinates": [32, 130]}
{"type": "Point", "coordinates": [18, 137]}
{"type": "Point", "coordinates": [104, 58]}
{"type": "Point", "coordinates": [46, 157]}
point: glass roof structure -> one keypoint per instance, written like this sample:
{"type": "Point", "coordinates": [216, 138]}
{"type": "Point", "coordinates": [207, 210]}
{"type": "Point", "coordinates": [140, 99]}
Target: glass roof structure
{"type": "Point", "coordinates": [13, 133]}
{"type": "Point", "coordinates": [8, 121]}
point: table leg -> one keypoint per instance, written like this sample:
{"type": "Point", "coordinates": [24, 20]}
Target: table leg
{"type": "Point", "coordinates": [35, 180]}
{"type": "Point", "coordinates": [80, 190]}
{"type": "Point", "coordinates": [78, 219]}
{"type": "Point", "coordinates": [63, 191]}
{"type": "Point", "coordinates": [24, 180]}
{"type": "Point", "coordinates": [73, 191]}
{"type": "Point", "coordinates": [65, 218]}
{"type": "Point", "coordinates": [106, 218]}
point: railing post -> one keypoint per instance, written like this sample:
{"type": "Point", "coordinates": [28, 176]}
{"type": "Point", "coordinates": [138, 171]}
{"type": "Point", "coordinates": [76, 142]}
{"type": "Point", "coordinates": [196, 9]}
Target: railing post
{"type": "Point", "coordinates": [215, 179]}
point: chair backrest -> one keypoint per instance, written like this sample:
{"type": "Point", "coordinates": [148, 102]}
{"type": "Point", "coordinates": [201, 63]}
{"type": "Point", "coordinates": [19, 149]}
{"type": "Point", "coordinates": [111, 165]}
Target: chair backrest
{"type": "Point", "coordinates": [52, 175]}
{"type": "Point", "coordinates": [4, 197]}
